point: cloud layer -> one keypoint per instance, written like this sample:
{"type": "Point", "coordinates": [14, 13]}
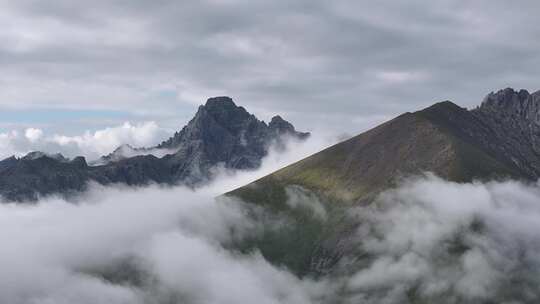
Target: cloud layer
{"type": "Point", "coordinates": [427, 240]}
{"type": "Point", "coordinates": [57, 252]}
{"type": "Point", "coordinates": [344, 64]}
{"type": "Point", "coordinates": [451, 243]}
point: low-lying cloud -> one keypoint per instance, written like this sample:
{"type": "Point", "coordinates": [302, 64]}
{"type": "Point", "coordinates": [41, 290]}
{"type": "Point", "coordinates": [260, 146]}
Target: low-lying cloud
{"type": "Point", "coordinates": [426, 240]}
{"type": "Point", "coordinates": [289, 151]}
{"type": "Point", "coordinates": [170, 240]}
{"type": "Point", "coordinates": [145, 245]}
{"type": "Point", "coordinates": [451, 243]}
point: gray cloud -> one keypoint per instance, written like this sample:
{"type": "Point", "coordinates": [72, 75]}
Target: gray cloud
{"type": "Point", "coordinates": [343, 64]}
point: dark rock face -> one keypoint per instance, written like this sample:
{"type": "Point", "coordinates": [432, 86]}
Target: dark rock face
{"type": "Point", "coordinates": [223, 133]}
{"type": "Point", "coordinates": [220, 134]}
{"type": "Point", "coordinates": [513, 120]}
{"type": "Point", "coordinates": [29, 177]}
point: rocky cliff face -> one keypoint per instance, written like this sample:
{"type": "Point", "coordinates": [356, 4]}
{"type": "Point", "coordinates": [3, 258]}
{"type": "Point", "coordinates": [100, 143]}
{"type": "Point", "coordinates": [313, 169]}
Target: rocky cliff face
{"type": "Point", "coordinates": [226, 134]}
{"type": "Point", "coordinates": [221, 134]}
{"type": "Point", "coordinates": [513, 119]}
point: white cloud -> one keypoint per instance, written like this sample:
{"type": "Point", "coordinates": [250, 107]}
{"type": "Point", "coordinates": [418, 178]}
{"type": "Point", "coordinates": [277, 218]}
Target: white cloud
{"type": "Point", "coordinates": [428, 237]}
{"type": "Point", "coordinates": [57, 252]}
{"type": "Point", "coordinates": [399, 76]}
{"type": "Point", "coordinates": [174, 238]}
{"type": "Point", "coordinates": [104, 141]}
{"type": "Point", "coordinates": [7, 140]}
{"type": "Point", "coordinates": [33, 134]}
{"type": "Point", "coordinates": [294, 150]}
{"type": "Point", "coordinates": [90, 144]}
{"type": "Point", "coordinates": [450, 242]}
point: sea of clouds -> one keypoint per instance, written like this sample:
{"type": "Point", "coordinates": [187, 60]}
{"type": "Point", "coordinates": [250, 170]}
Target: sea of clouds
{"type": "Point", "coordinates": [427, 239]}
{"type": "Point", "coordinates": [451, 243]}
{"type": "Point", "coordinates": [144, 245]}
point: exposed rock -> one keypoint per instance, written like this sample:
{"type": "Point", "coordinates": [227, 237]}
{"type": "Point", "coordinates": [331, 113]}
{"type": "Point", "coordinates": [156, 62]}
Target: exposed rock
{"type": "Point", "coordinates": [513, 119]}
{"type": "Point", "coordinates": [38, 154]}
{"type": "Point", "coordinates": [226, 134]}
{"type": "Point", "coordinates": [221, 133]}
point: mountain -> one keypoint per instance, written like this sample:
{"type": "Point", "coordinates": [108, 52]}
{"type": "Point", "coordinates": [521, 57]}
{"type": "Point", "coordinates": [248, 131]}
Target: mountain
{"type": "Point", "coordinates": [497, 140]}
{"type": "Point", "coordinates": [221, 134]}
{"type": "Point", "coordinates": [127, 151]}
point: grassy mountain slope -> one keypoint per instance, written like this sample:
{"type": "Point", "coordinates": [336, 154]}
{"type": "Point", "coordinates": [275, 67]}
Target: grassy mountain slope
{"type": "Point", "coordinates": [444, 139]}
{"type": "Point", "coordinates": [436, 139]}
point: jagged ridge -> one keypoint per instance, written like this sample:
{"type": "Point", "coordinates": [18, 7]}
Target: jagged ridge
{"type": "Point", "coordinates": [221, 133]}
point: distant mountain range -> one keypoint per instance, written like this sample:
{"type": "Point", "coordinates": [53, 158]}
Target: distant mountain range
{"type": "Point", "coordinates": [498, 139]}
{"type": "Point", "coordinates": [221, 134]}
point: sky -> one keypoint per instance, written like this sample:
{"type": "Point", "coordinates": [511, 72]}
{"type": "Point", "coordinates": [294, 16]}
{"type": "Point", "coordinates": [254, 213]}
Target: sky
{"type": "Point", "coordinates": [71, 69]}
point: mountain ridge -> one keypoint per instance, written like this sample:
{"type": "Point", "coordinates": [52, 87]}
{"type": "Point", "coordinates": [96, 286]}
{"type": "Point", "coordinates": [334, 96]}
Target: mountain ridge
{"type": "Point", "coordinates": [455, 143]}
{"type": "Point", "coordinates": [221, 133]}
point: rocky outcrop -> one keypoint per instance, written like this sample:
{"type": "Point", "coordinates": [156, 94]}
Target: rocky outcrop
{"type": "Point", "coordinates": [224, 133]}
{"type": "Point", "coordinates": [221, 134]}
{"type": "Point", "coordinates": [513, 119]}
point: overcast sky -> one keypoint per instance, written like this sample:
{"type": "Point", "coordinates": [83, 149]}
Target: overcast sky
{"type": "Point", "coordinates": [69, 66]}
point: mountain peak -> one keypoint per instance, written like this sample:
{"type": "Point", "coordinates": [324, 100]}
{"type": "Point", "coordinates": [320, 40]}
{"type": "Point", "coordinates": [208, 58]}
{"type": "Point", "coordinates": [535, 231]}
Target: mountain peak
{"type": "Point", "coordinates": [446, 105]}
{"type": "Point", "coordinates": [279, 123]}
{"type": "Point", "coordinates": [223, 111]}
{"type": "Point", "coordinates": [277, 119]}
{"type": "Point", "coordinates": [506, 98]}
{"type": "Point", "coordinates": [281, 126]}
{"type": "Point", "coordinates": [509, 104]}
{"type": "Point", "coordinates": [220, 101]}
{"type": "Point", "coordinates": [222, 132]}
{"type": "Point", "coordinates": [38, 154]}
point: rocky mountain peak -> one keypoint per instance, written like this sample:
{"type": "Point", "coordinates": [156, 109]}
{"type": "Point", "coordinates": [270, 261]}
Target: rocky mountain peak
{"type": "Point", "coordinates": [220, 102]}
{"type": "Point", "coordinates": [277, 121]}
{"type": "Point", "coordinates": [511, 104]}
{"type": "Point", "coordinates": [38, 154]}
{"type": "Point", "coordinates": [280, 126]}
{"type": "Point", "coordinates": [80, 162]}
{"type": "Point", "coordinates": [220, 135]}
{"type": "Point", "coordinates": [225, 113]}
{"type": "Point", "coordinates": [221, 118]}
{"type": "Point", "coordinates": [505, 98]}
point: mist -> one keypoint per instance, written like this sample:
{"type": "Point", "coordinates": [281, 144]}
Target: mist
{"type": "Point", "coordinates": [440, 241]}
{"type": "Point", "coordinates": [169, 241]}
{"type": "Point", "coordinates": [427, 239]}
{"type": "Point", "coordinates": [154, 244]}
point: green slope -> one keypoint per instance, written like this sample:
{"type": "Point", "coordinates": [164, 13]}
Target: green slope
{"type": "Point", "coordinates": [431, 140]}
{"type": "Point", "coordinates": [437, 139]}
